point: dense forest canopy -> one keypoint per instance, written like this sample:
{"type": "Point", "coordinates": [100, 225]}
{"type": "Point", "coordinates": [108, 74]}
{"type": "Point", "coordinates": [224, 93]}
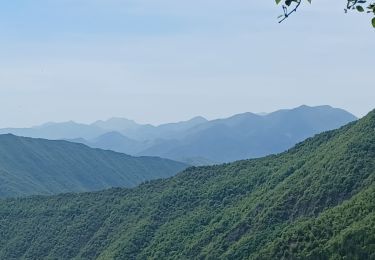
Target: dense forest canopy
{"type": "Point", "coordinates": [362, 6]}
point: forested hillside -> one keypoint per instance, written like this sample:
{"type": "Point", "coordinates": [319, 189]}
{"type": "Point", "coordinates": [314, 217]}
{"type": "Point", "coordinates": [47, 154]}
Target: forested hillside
{"type": "Point", "coordinates": [36, 166]}
{"type": "Point", "coordinates": [315, 201]}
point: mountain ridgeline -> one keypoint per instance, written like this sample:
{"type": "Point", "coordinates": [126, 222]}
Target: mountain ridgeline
{"type": "Point", "coordinates": [250, 135]}
{"type": "Point", "coordinates": [199, 141]}
{"type": "Point", "coordinates": [36, 166]}
{"type": "Point", "coordinates": [315, 201]}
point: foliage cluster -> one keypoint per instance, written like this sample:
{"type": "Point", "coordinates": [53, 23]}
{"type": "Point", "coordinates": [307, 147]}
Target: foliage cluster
{"type": "Point", "coordinates": [362, 6]}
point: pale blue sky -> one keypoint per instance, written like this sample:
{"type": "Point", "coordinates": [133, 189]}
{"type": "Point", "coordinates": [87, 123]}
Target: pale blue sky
{"type": "Point", "coordinates": [167, 60]}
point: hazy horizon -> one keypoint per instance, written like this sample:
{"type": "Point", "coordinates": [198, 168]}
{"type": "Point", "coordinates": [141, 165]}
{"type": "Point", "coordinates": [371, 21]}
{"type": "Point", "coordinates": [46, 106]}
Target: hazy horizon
{"type": "Point", "coordinates": [262, 113]}
{"type": "Point", "coordinates": [166, 61]}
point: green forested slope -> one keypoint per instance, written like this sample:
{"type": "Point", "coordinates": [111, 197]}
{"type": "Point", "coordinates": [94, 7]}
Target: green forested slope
{"type": "Point", "coordinates": [37, 166]}
{"type": "Point", "coordinates": [346, 230]}
{"type": "Point", "coordinates": [315, 201]}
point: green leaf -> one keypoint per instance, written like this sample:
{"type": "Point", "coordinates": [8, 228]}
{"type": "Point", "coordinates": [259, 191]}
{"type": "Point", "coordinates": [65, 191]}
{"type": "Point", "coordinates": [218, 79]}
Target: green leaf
{"type": "Point", "coordinates": [373, 22]}
{"type": "Point", "coordinates": [360, 8]}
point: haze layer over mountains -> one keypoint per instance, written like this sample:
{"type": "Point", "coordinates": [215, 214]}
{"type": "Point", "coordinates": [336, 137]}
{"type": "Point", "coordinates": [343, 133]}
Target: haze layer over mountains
{"type": "Point", "coordinates": [200, 141]}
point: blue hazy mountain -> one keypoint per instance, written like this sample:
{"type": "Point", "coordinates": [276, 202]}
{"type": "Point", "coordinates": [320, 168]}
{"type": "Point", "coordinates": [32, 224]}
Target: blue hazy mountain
{"type": "Point", "coordinates": [116, 142]}
{"type": "Point", "coordinates": [149, 132]}
{"type": "Point", "coordinates": [55, 131]}
{"type": "Point", "coordinates": [199, 141]}
{"type": "Point", "coordinates": [37, 166]}
{"type": "Point", "coordinates": [116, 124]}
{"type": "Point", "coordinates": [129, 128]}
{"type": "Point", "coordinates": [251, 135]}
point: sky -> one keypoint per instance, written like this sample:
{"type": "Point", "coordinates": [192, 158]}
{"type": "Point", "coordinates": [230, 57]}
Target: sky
{"type": "Point", "coordinates": [158, 61]}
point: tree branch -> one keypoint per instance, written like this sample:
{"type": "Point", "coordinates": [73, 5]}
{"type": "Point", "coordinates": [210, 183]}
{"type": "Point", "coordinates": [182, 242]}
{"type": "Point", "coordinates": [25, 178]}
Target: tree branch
{"type": "Point", "coordinates": [287, 14]}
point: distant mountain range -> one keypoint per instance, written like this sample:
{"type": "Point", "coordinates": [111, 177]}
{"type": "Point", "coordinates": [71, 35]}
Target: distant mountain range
{"type": "Point", "coordinates": [56, 131]}
{"type": "Point", "coordinates": [315, 201]}
{"type": "Point", "coordinates": [250, 135]}
{"type": "Point", "coordinates": [199, 141]}
{"type": "Point", "coordinates": [36, 166]}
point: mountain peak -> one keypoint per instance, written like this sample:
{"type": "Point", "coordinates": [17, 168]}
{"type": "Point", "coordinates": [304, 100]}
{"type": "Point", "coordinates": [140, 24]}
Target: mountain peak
{"type": "Point", "coordinates": [314, 107]}
{"type": "Point", "coordinates": [198, 119]}
{"type": "Point", "coordinates": [116, 124]}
